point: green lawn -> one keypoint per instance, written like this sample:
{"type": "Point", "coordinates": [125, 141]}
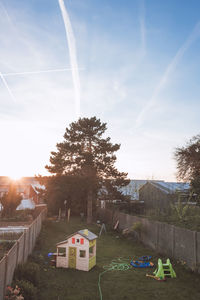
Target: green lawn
{"type": "Point", "coordinates": [69, 284]}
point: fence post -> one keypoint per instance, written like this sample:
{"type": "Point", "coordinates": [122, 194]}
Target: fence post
{"type": "Point", "coordinates": [17, 256]}
{"type": "Point", "coordinates": [5, 274]}
{"type": "Point", "coordinates": [173, 239]}
{"type": "Point", "coordinates": [24, 246]}
{"type": "Point", "coordinates": [195, 249]}
{"type": "Point", "coordinates": [157, 235]}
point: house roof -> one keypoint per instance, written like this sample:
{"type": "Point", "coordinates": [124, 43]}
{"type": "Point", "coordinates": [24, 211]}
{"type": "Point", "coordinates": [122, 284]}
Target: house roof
{"type": "Point", "coordinates": [36, 186]}
{"type": "Point", "coordinates": [171, 187]}
{"type": "Point", "coordinates": [26, 204]}
{"type": "Point", "coordinates": [90, 236]}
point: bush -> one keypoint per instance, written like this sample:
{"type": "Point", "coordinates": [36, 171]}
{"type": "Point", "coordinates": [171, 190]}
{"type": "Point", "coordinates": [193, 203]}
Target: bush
{"type": "Point", "coordinates": [13, 293]}
{"type": "Point", "coordinates": [28, 290]}
{"type": "Point", "coordinates": [29, 272]}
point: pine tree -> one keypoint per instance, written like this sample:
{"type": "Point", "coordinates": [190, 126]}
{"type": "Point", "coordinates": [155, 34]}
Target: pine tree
{"type": "Point", "coordinates": [84, 152]}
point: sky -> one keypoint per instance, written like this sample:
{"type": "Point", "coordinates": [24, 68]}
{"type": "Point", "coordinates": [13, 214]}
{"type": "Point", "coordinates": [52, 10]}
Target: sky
{"type": "Point", "coordinates": [138, 70]}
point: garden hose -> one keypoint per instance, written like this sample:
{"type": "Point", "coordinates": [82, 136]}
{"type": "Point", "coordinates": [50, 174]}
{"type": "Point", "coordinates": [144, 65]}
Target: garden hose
{"type": "Point", "coordinates": [118, 264]}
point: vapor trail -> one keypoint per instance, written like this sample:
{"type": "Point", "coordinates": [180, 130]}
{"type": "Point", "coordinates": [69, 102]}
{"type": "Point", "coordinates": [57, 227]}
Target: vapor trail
{"type": "Point", "coordinates": [7, 87]}
{"type": "Point", "coordinates": [195, 34]}
{"type": "Point", "coordinates": [37, 72]}
{"type": "Point", "coordinates": [72, 55]}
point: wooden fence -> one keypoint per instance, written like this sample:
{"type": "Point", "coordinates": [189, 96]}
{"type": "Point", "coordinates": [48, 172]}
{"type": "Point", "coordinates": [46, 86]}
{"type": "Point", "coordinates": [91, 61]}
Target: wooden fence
{"type": "Point", "coordinates": [179, 243]}
{"type": "Point", "coordinates": [19, 252]}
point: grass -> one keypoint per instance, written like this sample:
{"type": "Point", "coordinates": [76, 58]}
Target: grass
{"type": "Point", "coordinates": [69, 284]}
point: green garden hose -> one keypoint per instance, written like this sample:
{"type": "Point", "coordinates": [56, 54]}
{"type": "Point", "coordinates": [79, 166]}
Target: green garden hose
{"type": "Point", "coordinates": [118, 264]}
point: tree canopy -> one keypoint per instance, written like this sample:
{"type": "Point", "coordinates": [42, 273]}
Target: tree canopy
{"type": "Point", "coordinates": [188, 163]}
{"type": "Point", "coordinates": [10, 201]}
{"type": "Point", "coordinates": [86, 153]}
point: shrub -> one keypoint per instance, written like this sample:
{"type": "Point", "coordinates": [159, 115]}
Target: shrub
{"type": "Point", "coordinates": [13, 293]}
{"type": "Point", "coordinates": [28, 271]}
{"type": "Point", "coordinates": [29, 291]}
{"type": "Point", "coordinates": [137, 227]}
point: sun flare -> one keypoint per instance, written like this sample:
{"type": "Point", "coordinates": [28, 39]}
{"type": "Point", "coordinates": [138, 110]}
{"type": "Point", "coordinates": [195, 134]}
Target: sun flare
{"type": "Point", "coordinates": [15, 176]}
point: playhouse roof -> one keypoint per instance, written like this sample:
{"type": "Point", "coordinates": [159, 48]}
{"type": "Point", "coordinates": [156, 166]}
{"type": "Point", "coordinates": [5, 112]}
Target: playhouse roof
{"type": "Point", "coordinates": [89, 236]}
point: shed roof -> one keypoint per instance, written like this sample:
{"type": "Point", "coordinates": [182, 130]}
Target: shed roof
{"type": "Point", "coordinates": [171, 187]}
{"type": "Point", "coordinates": [90, 236]}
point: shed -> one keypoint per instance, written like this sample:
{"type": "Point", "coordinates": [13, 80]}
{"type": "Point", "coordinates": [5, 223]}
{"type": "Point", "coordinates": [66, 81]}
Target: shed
{"type": "Point", "coordinates": [78, 251]}
{"type": "Point", "coordinates": [159, 194]}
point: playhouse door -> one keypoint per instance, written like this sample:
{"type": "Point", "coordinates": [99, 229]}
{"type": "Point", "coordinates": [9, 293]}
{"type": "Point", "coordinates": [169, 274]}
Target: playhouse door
{"type": "Point", "coordinates": [72, 257]}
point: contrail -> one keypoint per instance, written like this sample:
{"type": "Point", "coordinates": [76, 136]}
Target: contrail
{"type": "Point", "coordinates": [7, 87]}
{"type": "Point", "coordinates": [153, 100]}
{"type": "Point", "coordinates": [72, 55]}
{"type": "Point", "coordinates": [37, 72]}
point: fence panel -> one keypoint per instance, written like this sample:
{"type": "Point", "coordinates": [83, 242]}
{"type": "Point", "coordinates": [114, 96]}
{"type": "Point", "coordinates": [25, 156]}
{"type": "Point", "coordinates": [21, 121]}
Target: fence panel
{"type": "Point", "coordinates": [165, 239]}
{"type": "Point", "coordinates": [21, 242]}
{"type": "Point", "coordinates": [184, 246]}
{"type": "Point", "coordinates": [149, 233]}
{"type": "Point", "coordinates": [26, 244]}
{"type": "Point", "coordinates": [198, 251]}
{"type": "Point", "coordinates": [2, 275]}
{"type": "Point", "coordinates": [11, 264]}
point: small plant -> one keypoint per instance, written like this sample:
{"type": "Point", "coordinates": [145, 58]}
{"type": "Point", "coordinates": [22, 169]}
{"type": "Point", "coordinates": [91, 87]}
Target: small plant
{"type": "Point", "coordinates": [137, 227]}
{"type": "Point", "coordinates": [13, 293]}
{"type": "Point", "coordinates": [179, 209]}
{"type": "Point", "coordinates": [29, 271]}
{"type": "Point", "coordinates": [29, 291]}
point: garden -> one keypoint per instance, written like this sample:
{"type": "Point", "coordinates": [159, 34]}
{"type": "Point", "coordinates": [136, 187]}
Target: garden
{"type": "Point", "coordinates": [39, 279]}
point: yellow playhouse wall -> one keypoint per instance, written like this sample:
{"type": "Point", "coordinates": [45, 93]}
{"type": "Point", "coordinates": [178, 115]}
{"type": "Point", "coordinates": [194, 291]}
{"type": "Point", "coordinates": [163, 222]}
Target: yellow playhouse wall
{"type": "Point", "coordinates": [92, 262]}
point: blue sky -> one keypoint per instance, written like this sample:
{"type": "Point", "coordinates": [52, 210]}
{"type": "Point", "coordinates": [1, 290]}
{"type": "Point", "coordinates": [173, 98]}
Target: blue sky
{"type": "Point", "coordinates": [139, 72]}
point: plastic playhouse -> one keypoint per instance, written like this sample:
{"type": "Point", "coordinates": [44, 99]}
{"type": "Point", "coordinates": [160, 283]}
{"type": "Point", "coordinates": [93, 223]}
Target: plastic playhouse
{"type": "Point", "coordinates": [78, 251]}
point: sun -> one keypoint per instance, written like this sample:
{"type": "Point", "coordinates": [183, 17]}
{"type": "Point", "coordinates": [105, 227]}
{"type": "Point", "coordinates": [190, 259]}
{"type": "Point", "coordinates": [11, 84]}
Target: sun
{"type": "Point", "coordinates": [15, 176]}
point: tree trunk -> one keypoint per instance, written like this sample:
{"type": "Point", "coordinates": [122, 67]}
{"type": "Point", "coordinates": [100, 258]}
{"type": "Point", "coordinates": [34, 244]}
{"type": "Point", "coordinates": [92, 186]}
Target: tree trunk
{"type": "Point", "coordinates": [89, 207]}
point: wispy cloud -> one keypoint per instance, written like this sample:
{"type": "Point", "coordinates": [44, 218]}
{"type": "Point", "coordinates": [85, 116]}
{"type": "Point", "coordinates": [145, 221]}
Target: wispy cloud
{"type": "Point", "coordinates": [195, 34]}
{"type": "Point", "coordinates": [72, 54]}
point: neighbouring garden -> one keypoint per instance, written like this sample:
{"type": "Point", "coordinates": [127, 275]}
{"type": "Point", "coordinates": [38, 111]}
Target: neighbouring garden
{"type": "Point", "coordinates": [47, 282]}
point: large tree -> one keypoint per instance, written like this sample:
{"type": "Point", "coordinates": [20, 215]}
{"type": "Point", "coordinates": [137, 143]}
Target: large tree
{"type": "Point", "coordinates": [188, 163]}
{"type": "Point", "coordinates": [85, 153]}
{"type": "Point", "coordinates": [61, 192]}
{"type": "Point", "coordinates": [10, 201]}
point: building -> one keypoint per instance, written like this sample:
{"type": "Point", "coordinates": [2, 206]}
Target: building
{"type": "Point", "coordinates": [160, 194]}
{"type": "Point", "coordinates": [28, 187]}
{"type": "Point", "coordinates": [78, 251]}
{"type": "Point", "coordinates": [132, 189]}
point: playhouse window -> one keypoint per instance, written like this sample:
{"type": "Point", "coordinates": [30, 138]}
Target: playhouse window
{"type": "Point", "coordinates": [77, 240]}
{"type": "Point", "coordinates": [82, 253]}
{"type": "Point", "coordinates": [91, 251]}
{"type": "Point", "coordinates": [62, 252]}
